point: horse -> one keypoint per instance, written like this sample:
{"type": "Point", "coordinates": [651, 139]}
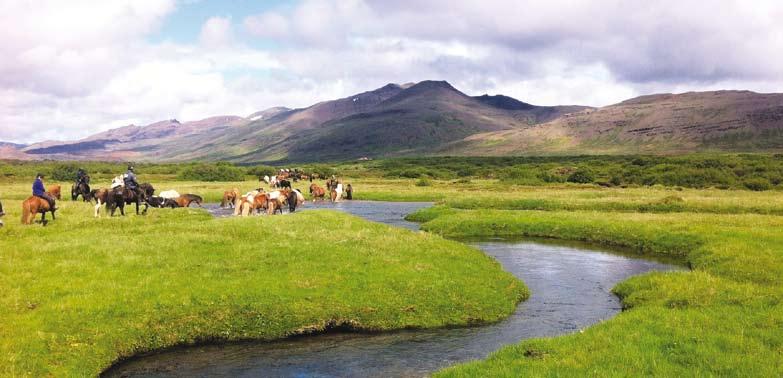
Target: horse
{"type": "Point", "coordinates": [229, 197]}
{"type": "Point", "coordinates": [295, 199]}
{"type": "Point", "coordinates": [115, 198]}
{"type": "Point", "coordinates": [147, 189]}
{"type": "Point", "coordinates": [284, 184]}
{"type": "Point", "coordinates": [266, 179]}
{"type": "Point", "coordinates": [273, 182]}
{"type": "Point", "coordinates": [137, 197]}
{"type": "Point", "coordinates": [317, 192]}
{"type": "Point", "coordinates": [54, 191]}
{"type": "Point", "coordinates": [81, 189]}
{"type": "Point", "coordinates": [100, 196]}
{"type": "Point", "coordinates": [186, 199]}
{"type": "Point", "coordinates": [336, 194]}
{"type": "Point", "coordinates": [36, 205]}
{"type": "Point", "coordinates": [160, 202]}
{"type": "Point", "coordinates": [1, 214]}
{"type": "Point", "coordinates": [255, 200]}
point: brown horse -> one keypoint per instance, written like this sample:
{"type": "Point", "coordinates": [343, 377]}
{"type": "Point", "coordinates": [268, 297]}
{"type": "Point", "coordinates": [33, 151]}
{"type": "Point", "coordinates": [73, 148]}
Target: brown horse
{"type": "Point", "coordinates": [317, 192]}
{"type": "Point", "coordinates": [54, 191]}
{"type": "Point", "coordinates": [36, 205]}
{"type": "Point", "coordinates": [229, 197]}
{"type": "Point", "coordinates": [186, 199]}
{"type": "Point", "coordinates": [99, 196]}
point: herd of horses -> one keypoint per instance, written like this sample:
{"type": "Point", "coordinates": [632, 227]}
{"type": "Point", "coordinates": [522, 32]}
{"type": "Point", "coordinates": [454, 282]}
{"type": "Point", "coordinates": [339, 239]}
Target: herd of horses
{"type": "Point", "coordinates": [259, 201]}
{"type": "Point", "coordinates": [115, 198]}
{"type": "Point", "coordinates": [118, 196]}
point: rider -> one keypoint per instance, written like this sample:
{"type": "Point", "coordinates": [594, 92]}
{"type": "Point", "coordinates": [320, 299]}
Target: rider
{"type": "Point", "coordinates": [39, 190]}
{"type": "Point", "coordinates": [81, 177]}
{"type": "Point", "coordinates": [130, 179]}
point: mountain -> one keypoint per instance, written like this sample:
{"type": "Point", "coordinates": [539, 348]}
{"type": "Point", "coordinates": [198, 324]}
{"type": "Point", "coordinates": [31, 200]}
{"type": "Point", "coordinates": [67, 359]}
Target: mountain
{"type": "Point", "coordinates": [740, 121]}
{"type": "Point", "coordinates": [417, 120]}
{"type": "Point", "coordinates": [434, 118]}
{"type": "Point", "coordinates": [131, 142]}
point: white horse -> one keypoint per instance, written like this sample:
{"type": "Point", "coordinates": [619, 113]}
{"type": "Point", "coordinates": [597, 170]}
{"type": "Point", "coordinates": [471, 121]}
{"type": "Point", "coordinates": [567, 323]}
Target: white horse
{"type": "Point", "coordinates": [273, 181]}
{"type": "Point", "coordinates": [169, 194]}
{"type": "Point", "coordinates": [339, 191]}
{"type": "Point", "coordinates": [266, 179]}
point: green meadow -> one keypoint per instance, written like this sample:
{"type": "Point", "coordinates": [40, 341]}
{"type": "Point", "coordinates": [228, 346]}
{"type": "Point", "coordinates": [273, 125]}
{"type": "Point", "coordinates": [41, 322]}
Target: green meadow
{"type": "Point", "coordinates": [82, 293]}
{"type": "Point", "coordinates": [85, 292]}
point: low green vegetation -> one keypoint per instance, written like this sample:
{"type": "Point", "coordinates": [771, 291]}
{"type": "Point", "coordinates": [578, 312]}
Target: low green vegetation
{"type": "Point", "coordinates": [757, 172]}
{"type": "Point", "coordinates": [82, 293]}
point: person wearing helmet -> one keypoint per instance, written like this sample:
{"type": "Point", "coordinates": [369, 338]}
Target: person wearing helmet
{"type": "Point", "coordinates": [39, 190]}
{"type": "Point", "coordinates": [130, 179]}
{"type": "Point", "coordinates": [81, 177]}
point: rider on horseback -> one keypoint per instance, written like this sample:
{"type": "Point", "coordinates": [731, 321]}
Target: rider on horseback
{"type": "Point", "coordinates": [81, 177]}
{"type": "Point", "coordinates": [39, 190]}
{"type": "Point", "coordinates": [130, 180]}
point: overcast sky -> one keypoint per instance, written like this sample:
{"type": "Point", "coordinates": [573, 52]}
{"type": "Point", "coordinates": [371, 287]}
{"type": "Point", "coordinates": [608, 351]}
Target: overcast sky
{"type": "Point", "coordinates": [71, 68]}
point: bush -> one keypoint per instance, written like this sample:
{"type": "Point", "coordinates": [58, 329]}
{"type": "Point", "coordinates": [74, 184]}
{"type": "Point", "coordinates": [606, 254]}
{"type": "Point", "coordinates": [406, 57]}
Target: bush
{"type": "Point", "coordinates": [64, 172]}
{"type": "Point", "coordinates": [757, 184]}
{"type": "Point", "coordinates": [262, 170]}
{"type": "Point", "coordinates": [212, 172]}
{"type": "Point", "coordinates": [423, 182]}
{"type": "Point", "coordinates": [581, 176]}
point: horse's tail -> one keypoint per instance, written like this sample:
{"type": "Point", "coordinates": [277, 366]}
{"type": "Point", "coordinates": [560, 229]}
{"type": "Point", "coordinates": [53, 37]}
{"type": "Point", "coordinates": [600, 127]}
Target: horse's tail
{"type": "Point", "coordinates": [26, 211]}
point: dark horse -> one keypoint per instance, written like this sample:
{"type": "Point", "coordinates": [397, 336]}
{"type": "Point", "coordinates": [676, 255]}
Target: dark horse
{"type": "Point", "coordinates": [120, 196]}
{"type": "Point", "coordinates": [115, 199]}
{"type": "Point", "coordinates": [81, 188]}
{"type": "Point", "coordinates": [1, 214]}
{"type": "Point", "coordinates": [282, 184]}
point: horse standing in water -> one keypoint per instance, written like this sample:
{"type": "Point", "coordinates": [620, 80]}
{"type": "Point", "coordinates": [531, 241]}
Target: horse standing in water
{"type": "Point", "coordinates": [317, 192]}
{"type": "Point", "coordinates": [36, 205]}
{"type": "Point", "coordinates": [336, 194]}
{"type": "Point", "coordinates": [295, 199]}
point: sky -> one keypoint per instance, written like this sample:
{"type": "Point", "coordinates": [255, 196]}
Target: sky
{"type": "Point", "coordinates": [69, 69]}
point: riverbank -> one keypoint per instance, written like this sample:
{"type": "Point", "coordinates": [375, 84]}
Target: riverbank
{"type": "Point", "coordinates": [723, 318]}
{"type": "Point", "coordinates": [83, 293]}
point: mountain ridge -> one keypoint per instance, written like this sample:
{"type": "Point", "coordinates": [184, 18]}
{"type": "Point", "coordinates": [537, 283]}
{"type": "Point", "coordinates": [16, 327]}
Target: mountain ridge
{"type": "Point", "coordinates": [435, 118]}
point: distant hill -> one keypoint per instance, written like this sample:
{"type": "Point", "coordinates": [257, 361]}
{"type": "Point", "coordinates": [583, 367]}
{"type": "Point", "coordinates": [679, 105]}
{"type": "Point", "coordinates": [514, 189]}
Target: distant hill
{"type": "Point", "coordinates": [739, 121]}
{"type": "Point", "coordinates": [434, 118]}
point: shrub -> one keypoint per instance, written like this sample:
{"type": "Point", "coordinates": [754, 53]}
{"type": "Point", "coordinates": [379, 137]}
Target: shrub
{"type": "Point", "coordinates": [212, 172]}
{"type": "Point", "coordinates": [757, 184]}
{"type": "Point", "coordinates": [262, 170]}
{"type": "Point", "coordinates": [581, 176]}
{"type": "Point", "coordinates": [64, 172]}
{"type": "Point", "coordinates": [423, 182]}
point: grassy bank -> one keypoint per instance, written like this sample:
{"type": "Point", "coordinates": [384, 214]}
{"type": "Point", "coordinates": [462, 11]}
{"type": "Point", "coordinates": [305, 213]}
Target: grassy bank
{"type": "Point", "coordinates": [724, 318]}
{"type": "Point", "coordinates": [82, 293]}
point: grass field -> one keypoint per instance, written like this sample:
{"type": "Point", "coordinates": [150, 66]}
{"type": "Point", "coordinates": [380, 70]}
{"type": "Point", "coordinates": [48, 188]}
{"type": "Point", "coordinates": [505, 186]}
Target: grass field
{"type": "Point", "coordinates": [84, 292]}
{"type": "Point", "coordinates": [724, 318]}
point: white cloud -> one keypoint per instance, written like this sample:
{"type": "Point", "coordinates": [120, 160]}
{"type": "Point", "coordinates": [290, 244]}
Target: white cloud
{"type": "Point", "coordinates": [217, 32]}
{"type": "Point", "coordinates": [69, 69]}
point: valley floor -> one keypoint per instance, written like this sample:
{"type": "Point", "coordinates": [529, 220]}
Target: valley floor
{"type": "Point", "coordinates": [85, 292]}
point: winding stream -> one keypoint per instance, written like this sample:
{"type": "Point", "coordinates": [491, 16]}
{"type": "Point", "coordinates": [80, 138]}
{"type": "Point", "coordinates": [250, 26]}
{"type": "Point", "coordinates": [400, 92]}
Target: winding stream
{"type": "Point", "coordinates": [570, 285]}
